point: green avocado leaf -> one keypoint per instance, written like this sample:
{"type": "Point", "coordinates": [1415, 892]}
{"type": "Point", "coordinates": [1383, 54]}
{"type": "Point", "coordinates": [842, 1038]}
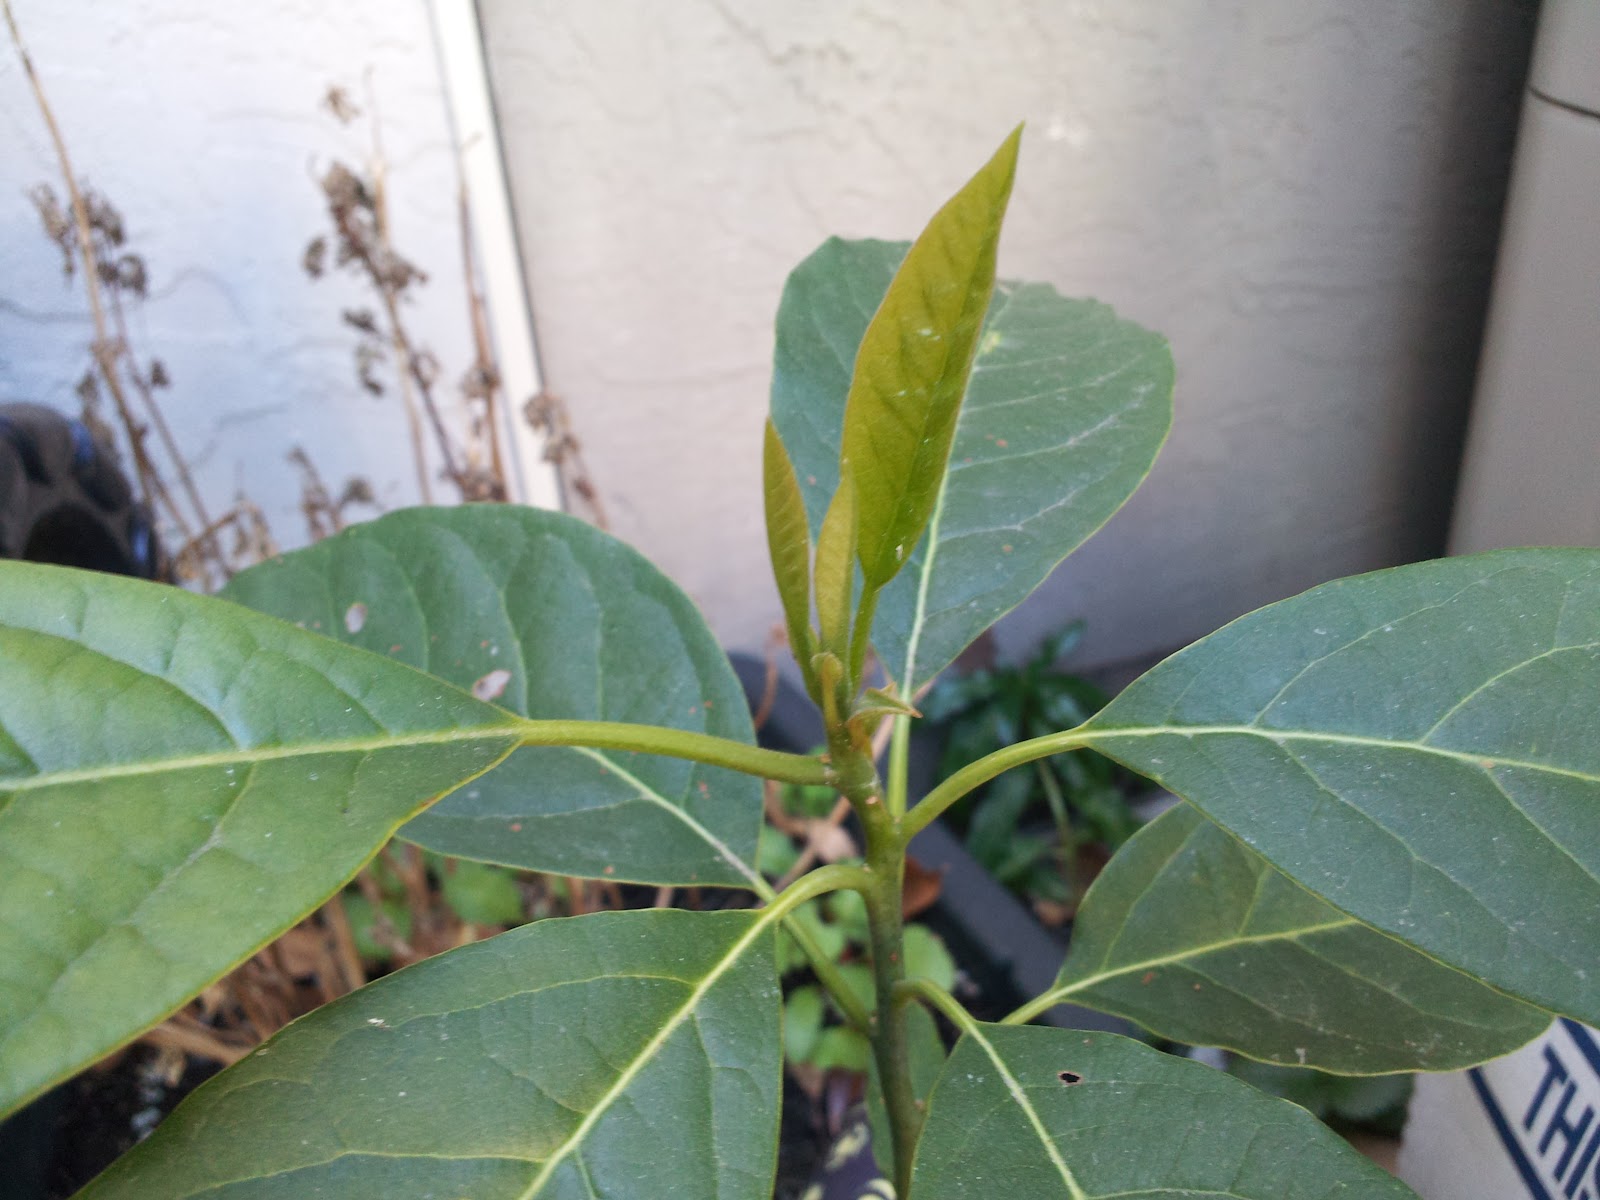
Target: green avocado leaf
{"type": "Point", "coordinates": [1060, 1114]}
{"type": "Point", "coordinates": [1192, 935]}
{"type": "Point", "coordinates": [1065, 409]}
{"type": "Point", "coordinates": [1418, 747]}
{"type": "Point", "coordinates": [550, 618]}
{"type": "Point", "coordinates": [181, 780]}
{"type": "Point", "coordinates": [617, 1054]}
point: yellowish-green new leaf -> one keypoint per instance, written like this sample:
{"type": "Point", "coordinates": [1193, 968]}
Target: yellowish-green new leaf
{"type": "Point", "coordinates": [788, 542]}
{"type": "Point", "coordinates": [180, 781]}
{"type": "Point", "coordinates": [836, 571]}
{"type": "Point", "coordinates": [912, 367]}
{"type": "Point", "coordinates": [1066, 406]}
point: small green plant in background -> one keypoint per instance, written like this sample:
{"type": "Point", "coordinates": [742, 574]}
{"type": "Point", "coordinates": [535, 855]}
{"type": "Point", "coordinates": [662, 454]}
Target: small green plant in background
{"type": "Point", "coordinates": [1084, 796]}
{"type": "Point", "coordinates": [383, 911]}
{"type": "Point", "coordinates": [838, 924]}
{"type": "Point", "coordinates": [1387, 860]}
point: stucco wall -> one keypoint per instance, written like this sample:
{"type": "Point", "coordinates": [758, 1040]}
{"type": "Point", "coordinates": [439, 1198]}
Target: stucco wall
{"type": "Point", "coordinates": [1303, 195]}
{"type": "Point", "coordinates": [202, 122]}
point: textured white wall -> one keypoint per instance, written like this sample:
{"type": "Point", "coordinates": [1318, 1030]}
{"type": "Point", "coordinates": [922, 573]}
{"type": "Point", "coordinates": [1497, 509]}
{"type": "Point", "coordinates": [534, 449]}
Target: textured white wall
{"type": "Point", "coordinates": [203, 124]}
{"type": "Point", "coordinates": [1303, 195]}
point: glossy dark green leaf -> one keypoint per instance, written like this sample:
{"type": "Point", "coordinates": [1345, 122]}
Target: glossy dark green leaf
{"type": "Point", "coordinates": [1419, 747]}
{"type": "Point", "coordinates": [1066, 407]}
{"type": "Point", "coordinates": [180, 781]}
{"type": "Point", "coordinates": [618, 1054]}
{"type": "Point", "coordinates": [1059, 1114]}
{"type": "Point", "coordinates": [911, 369]}
{"type": "Point", "coordinates": [1196, 938]}
{"type": "Point", "coordinates": [788, 543]}
{"type": "Point", "coordinates": [551, 618]}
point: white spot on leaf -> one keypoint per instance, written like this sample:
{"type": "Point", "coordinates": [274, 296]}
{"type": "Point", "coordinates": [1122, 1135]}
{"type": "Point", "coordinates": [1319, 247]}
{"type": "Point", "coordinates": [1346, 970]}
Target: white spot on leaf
{"type": "Point", "coordinates": [493, 685]}
{"type": "Point", "coordinates": [355, 617]}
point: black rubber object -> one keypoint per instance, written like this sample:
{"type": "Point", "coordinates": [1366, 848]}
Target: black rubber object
{"type": "Point", "coordinates": [63, 497]}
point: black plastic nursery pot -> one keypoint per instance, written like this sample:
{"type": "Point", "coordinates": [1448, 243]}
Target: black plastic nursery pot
{"type": "Point", "coordinates": [64, 499]}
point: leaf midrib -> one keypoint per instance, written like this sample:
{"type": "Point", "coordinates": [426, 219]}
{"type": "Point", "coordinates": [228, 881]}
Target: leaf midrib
{"type": "Point", "coordinates": [1179, 957]}
{"type": "Point", "coordinates": [651, 796]}
{"type": "Point", "coordinates": [1000, 300]}
{"type": "Point", "coordinates": [250, 756]}
{"type": "Point", "coordinates": [1020, 1097]}
{"type": "Point", "coordinates": [1482, 760]}
{"type": "Point", "coordinates": [646, 1053]}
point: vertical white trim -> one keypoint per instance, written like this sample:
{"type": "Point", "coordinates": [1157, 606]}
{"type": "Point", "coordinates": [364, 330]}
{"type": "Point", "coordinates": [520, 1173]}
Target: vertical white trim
{"type": "Point", "coordinates": [466, 82]}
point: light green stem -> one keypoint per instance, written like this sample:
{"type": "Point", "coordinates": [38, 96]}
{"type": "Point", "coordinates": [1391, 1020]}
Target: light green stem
{"type": "Point", "coordinates": [1040, 1005]}
{"type": "Point", "coordinates": [928, 990]}
{"type": "Point", "coordinates": [899, 764]}
{"type": "Point", "coordinates": [986, 768]}
{"type": "Point", "coordinates": [886, 859]}
{"type": "Point", "coordinates": [737, 756]}
{"type": "Point", "coordinates": [834, 878]}
{"type": "Point", "coordinates": [678, 743]}
{"type": "Point", "coordinates": [862, 634]}
{"type": "Point", "coordinates": [826, 970]}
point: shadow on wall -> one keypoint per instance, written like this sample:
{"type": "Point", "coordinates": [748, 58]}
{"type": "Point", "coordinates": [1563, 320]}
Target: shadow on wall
{"type": "Point", "coordinates": [1436, 211]}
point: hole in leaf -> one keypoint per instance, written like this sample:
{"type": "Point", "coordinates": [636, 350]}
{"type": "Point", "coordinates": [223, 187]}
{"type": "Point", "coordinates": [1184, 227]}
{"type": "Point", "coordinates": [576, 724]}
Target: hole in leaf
{"type": "Point", "coordinates": [1069, 1077]}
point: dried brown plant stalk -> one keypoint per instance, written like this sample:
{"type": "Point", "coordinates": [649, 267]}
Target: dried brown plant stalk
{"type": "Point", "coordinates": [547, 413]}
{"type": "Point", "coordinates": [362, 242]}
{"type": "Point", "coordinates": [94, 235]}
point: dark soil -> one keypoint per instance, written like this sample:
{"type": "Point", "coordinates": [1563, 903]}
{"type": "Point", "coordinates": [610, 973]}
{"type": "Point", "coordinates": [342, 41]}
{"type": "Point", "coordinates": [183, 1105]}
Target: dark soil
{"type": "Point", "coordinates": [802, 1142]}
{"type": "Point", "coordinates": [56, 1145]}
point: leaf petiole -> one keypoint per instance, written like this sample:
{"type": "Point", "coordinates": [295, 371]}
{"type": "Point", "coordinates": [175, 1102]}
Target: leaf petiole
{"type": "Point", "coordinates": [677, 743]}
{"type": "Point", "coordinates": [975, 775]}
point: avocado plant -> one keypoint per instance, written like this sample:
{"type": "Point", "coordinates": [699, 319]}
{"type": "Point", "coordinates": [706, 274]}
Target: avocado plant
{"type": "Point", "coordinates": [1389, 858]}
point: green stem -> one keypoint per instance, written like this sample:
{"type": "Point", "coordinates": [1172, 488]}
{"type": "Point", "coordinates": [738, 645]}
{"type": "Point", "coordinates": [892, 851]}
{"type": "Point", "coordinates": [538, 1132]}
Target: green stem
{"type": "Point", "coordinates": [928, 990]}
{"type": "Point", "coordinates": [899, 764]}
{"type": "Point", "coordinates": [826, 970]}
{"type": "Point", "coordinates": [1057, 803]}
{"type": "Point", "coordinates": [862, 634]}
{"type": "Point", "coordinates": [1040, 1005]}
{"type": "Point", "coordinates": [977, 774]}
{"type": "Point", "coordinates": [678, 743]}
{"type": "Point", "coordinates": [1058, 813]}
{"type": "Point", "coordinates": [834, 878]}
{"type": "Point", "coordinates": [886, 859]}
{"type": "Point", "coordinates": [722, 752]}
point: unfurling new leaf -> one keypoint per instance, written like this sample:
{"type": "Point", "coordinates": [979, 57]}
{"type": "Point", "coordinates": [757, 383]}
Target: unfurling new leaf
{"type": "Point", "coordinates": [836, 572]}
{"type": "Point", "coordinates": [911, 370]}
{"type": "Point", "coordinates": [1066, 407]}
{"type": "Point", "coordinates": [789, 544]}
